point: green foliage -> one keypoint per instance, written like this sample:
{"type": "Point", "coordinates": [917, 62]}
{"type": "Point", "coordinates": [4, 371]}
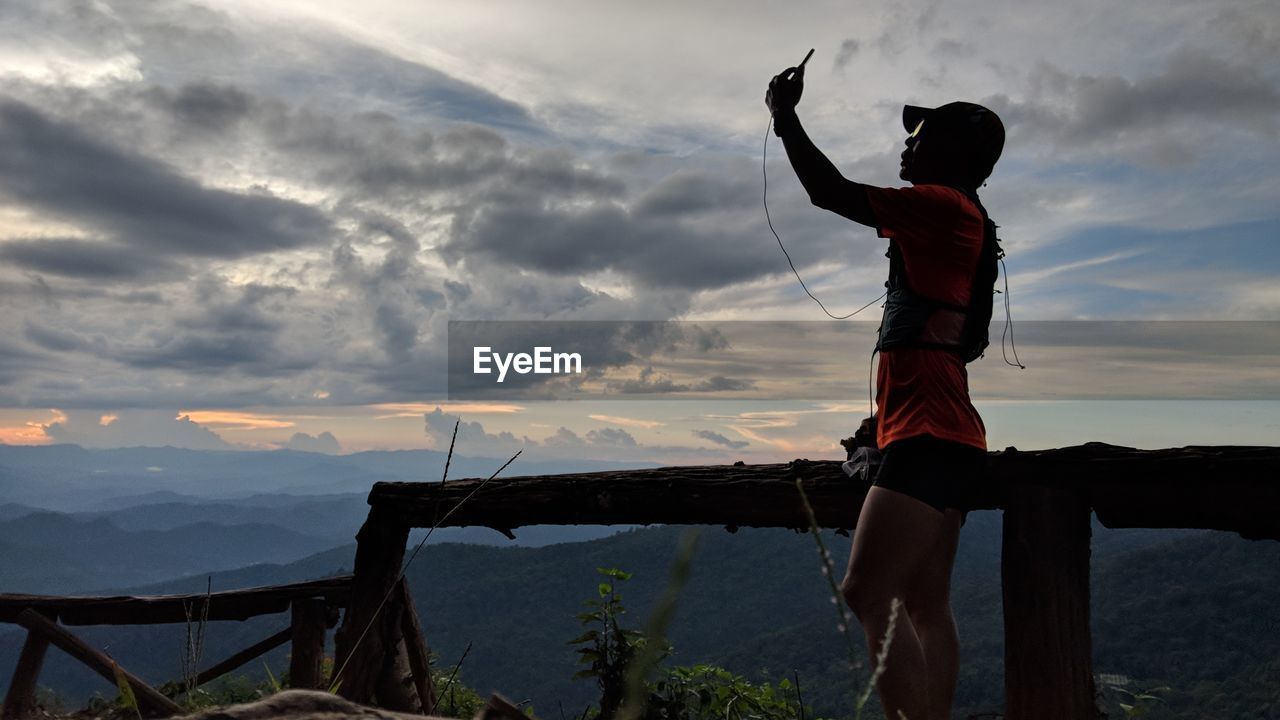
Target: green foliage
{"type": "Point", "coordinates": [707, 692]}
{"type": "Point", "coordinates": [607, 648]}
{"type": "Point", "coordinates": [272, 682]}
{"type": "Point", "coordinates": [455, 699]}
{"type": "Point", "coordinates": [126, 698]}
{"type": "Point", "coordinates": [701, 692]}
{"type": "Point", "coordinates": [50, 700]}
{"type": "Point", "coordinates": [226, 690]}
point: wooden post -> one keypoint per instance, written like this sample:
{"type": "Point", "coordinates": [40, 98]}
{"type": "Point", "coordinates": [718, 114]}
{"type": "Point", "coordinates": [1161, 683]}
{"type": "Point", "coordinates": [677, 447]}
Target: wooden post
{"type": "Point", "coordinates": [415, 644]}
{"type": "Point", "coordinates": [365, 644]}
{"type": "Point", "coordinates": [310, 619]}
{"type": "Point", "coordinates": [150, 700]}
{"type": "Point", "coordinates": [397, 689]}
{"type": "Point", "coordinates": [1045, 579]}
{"type": "Point", "coordinates": [20, 701]}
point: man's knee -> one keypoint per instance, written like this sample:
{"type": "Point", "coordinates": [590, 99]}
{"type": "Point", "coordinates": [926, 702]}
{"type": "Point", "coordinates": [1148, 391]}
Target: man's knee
{"type": "Point", "coordinates": [929, 612]}
{"type": "Point", "coordinates": [865, 598]}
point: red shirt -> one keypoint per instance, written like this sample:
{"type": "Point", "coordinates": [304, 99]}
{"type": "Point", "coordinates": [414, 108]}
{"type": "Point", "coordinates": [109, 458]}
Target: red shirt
{"type": "Point", "coordinates": [925, 391]}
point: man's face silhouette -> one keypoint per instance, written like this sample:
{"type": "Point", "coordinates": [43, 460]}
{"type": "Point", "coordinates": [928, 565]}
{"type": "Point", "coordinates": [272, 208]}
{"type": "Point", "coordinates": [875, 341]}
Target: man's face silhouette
{"type": "Point", "coordinates": [928, 158]}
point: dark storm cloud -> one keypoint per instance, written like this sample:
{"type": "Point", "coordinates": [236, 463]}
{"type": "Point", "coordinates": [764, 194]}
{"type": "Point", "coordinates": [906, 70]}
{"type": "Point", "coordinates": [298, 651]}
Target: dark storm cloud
{"type": "Point", "coordinates": [848, 48]}
{"type": "Point", "coordinates": [1192, 86]}
{"type": "Point", "coordinates": [399, 330]}
{"type": "Point", "coordinates": [1174, 110]}
{"type": "Point", "coordinates": [372, 155]}
{"type": "Point", "coordinates": [224, 334]}
{"type": "Point", "coordinates": [16, 360]}
{"type": "Point", "coordinates": [58, 340]}
{"type": "Point", "coordinates": [89, 259]}
{"type": "Point", "coordinates": [952, 48]}
{"type": "Point", "coordinates": [200, 354]}
{"type": "Point", "coordinates": [60, 169]}
{"type": "Point", "coordinates": [719, 439]}
{"type": "Point", "coordinates": [396, 161]}
{"type": "Point", "coordinates": [203, 106]}
{"type": "Point", "coordinates": [653, 382]}
{"type": "Point", "coordinates": [661, 243]}
{"type": "Point", "coordinates": [419, 88]}
{"type": "Point", "coordinates": [175, 41]}
{"type": "Point", "coordinates": [693, 191]}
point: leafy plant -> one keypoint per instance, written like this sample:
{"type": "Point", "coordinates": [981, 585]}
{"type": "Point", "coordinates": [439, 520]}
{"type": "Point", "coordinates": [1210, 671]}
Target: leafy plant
{"type": "Point", "coordinates": [455, 699]}
{"type": "Point", "coordinates": [126, 698]}
{"type": "Point", "coordinates": [708, 692]}
{"type": "Point", "coordinates": [606, 647]}
{"type": "Point", "coordinates": [701, 692]}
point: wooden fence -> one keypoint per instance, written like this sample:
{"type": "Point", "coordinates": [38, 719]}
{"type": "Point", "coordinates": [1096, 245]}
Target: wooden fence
{"type": "Point", "coordinates": [314, 609]}
{"type": "Point", "coordinates": [1046, 496]}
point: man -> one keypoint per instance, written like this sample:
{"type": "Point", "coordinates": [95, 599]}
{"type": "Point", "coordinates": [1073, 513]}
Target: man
{"type": "Point", "coordinates": [942, 269]}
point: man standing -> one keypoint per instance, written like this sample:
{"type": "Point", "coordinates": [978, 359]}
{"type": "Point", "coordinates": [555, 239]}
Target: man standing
{"type": "Point", "coordinates": [943, 252]}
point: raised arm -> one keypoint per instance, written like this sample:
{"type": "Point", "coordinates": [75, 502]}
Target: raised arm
{"type": "Point", "coordinates": [827, 188]}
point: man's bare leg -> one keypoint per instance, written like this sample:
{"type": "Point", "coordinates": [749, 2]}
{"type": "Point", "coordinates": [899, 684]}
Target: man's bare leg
{"type": "Point", "coordinates": [929, 605]}
{"type": "Point", "coordinates": [892, 544]}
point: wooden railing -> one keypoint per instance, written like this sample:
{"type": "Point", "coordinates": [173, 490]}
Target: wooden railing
{"type": "Point", "coordinates": [314, 609]}
{"type": "Point", "coordinates": [1047, 497]}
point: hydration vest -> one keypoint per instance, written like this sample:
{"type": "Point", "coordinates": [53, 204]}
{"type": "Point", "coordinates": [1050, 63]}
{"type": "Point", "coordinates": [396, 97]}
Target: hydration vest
{"type": "Point", "coordinates": [914, 320]}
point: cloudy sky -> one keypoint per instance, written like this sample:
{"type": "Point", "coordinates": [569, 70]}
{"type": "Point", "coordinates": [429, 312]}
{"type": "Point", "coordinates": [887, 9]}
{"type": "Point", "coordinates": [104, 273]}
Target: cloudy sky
{"type": "Point", "coordinates": [229, 226]}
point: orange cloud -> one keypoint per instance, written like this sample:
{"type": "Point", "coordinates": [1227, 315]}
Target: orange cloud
{"type": "Point", "coordinates": [31, 433]}
{"type": "Point", "coordinates": [234, 420]}
{"type": "Point", "coordinates": [395, 410]}
{"type": "Point", "coordinates": [628, 422]}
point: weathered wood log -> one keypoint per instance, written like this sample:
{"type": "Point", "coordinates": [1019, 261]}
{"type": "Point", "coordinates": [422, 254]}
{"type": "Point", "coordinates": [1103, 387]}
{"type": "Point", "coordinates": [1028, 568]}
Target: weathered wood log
{"type": "Point", "coordinates": [150, 610]}
{"type": "Point", "coordinates": [20, 701]}
{"type": "Point", "coordinates": [1223, 488]}
{"type": "Point", "coordinates": [150, 701]}
{"type": "Point", "coordinates": [499, 708]}
{"type": "Point", "coordinates": [366, 641]}
{"type": "Point", "coordinates": [302, 705]}
{"type": "Point", "coordinates": [1045, 584]}
{"type": "Point", "coordinates": [734, 495]}
{"type": "Point", "coordinates": [415, 644]}
{"type": "Point", "coordinates": [308, 624]}
{"type": "Point", "coordinates": [396, 688]}
{"type": "Point", "coordinates": [238, 659]}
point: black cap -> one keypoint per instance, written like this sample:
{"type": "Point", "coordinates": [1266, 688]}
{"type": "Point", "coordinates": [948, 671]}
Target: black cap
{"type": "Point", "coordinates": [977, 128]}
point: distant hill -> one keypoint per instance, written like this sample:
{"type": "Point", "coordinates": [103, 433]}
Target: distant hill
{"type": "Point", "coordinates": [9, 511]}
{"type": "Point", "coordinates": [1195, 610]}
{"type": "Point", "coordinates": [70, 478]}
{"type": "Point", "coordinates": [79, 553]}
{"type": "Point", "coordinates": [46, 552]}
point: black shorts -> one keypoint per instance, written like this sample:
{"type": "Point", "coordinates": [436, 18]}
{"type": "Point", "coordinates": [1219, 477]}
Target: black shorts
{"type": "Point", "coordinates": [933, 471]}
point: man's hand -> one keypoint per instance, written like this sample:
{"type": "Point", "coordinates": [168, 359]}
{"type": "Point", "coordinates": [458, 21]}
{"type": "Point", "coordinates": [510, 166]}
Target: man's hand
{"type": "Point", "coordinates": [784, 90]}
